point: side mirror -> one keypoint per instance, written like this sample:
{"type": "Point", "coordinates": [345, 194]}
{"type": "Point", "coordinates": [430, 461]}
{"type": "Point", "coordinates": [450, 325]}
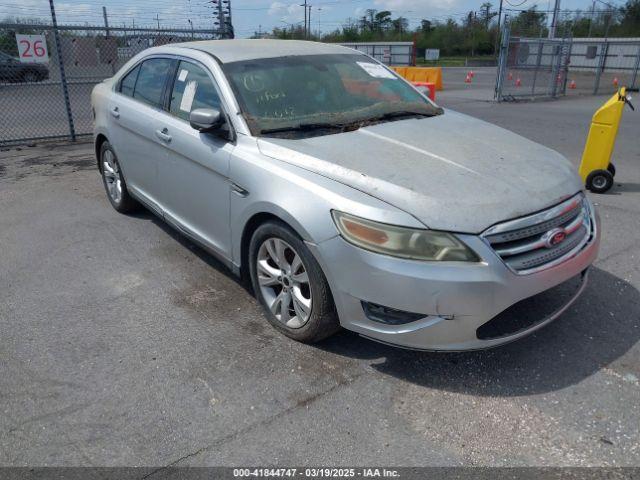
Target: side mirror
{"type": "Point", "coordinates": [206, 119]}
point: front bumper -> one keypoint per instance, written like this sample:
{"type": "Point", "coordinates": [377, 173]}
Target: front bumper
{"type": "Point", "coordinates": [456, 298]}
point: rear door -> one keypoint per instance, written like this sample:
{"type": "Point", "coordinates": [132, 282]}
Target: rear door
{"type": "Point", "coordinates": [136, 128]}
{"type": "Point", "coordinates": [194, 182]}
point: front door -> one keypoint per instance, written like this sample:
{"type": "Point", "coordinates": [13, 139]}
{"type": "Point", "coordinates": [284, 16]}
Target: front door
{"type": "Point", "coordinates": [194, 181]}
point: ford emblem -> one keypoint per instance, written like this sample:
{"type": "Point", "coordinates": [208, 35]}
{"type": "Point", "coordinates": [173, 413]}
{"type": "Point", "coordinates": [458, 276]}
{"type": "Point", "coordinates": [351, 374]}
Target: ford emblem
{"type": "Point", "coordinates": [554, 237]}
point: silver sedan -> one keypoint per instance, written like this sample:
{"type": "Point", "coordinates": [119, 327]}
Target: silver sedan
{"type": "Point", "coordinates": [345, 196]}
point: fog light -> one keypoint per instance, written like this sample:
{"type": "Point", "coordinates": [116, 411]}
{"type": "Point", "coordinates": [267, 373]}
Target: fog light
{"type": "Point", "coordinates": [390, 316]}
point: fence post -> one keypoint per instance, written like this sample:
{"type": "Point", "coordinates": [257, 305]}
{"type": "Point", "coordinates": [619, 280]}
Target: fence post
{"type": "Point", "coordinates": [635, 70]}
{"type": "Point", "coordinates": [565, 68]}
{"type": "Point", "coordinates": [502, 60]}
{"type": "Point", "coordinates": [604, 50]}
{"type": "Point", "coordinates": [535, 72]}
{"type": "Point", "coordinates": [63, 78]}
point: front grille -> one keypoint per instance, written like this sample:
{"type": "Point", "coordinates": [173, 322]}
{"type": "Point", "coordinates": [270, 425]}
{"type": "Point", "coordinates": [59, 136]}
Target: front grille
{"type": "Point", "coordinates": [533, 310]}
{"type": "Point", "coordinates": [523, 244]}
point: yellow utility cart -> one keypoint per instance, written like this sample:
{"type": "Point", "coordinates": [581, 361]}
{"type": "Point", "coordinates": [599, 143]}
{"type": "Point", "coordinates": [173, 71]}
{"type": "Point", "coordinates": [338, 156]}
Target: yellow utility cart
{"type": "Point", "coordinates": [596, 169]}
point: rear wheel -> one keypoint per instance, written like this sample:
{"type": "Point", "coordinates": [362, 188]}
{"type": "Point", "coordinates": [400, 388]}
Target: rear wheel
{"type": "Point", "coordinates": [599, 181]}
{"type": "Point", "coordinates": [290, 285]}
{"type": "Point", "coordinates": [113, 181]}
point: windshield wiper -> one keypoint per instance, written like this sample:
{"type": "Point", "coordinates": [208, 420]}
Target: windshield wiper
{"type": "Point", "coordinates": [399, 114]}
{"type": "Point", "coordinates": [305, 127]}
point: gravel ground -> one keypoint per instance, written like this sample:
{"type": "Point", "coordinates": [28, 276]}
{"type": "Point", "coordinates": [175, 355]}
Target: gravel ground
{"type": "Point", "coordinates": [124, 344]}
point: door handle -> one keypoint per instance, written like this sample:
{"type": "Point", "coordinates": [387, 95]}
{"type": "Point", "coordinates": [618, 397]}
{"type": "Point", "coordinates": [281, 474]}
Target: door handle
{"type": "Point", "coordinates": [115, 112]}
{"type": "Point", "coordinates": [163, 135]}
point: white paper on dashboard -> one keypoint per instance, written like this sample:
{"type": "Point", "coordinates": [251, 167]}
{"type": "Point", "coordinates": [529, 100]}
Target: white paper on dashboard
{"type": "Point", "coordinates": [183, 75]}
{"type": "Point", "coordinates": [377, 71]}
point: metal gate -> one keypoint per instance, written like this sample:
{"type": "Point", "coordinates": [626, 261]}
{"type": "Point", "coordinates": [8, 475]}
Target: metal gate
{"type": "Point", "coordinates": [542, 67]}
{"type": "Point", "coordinates": [47, 74]}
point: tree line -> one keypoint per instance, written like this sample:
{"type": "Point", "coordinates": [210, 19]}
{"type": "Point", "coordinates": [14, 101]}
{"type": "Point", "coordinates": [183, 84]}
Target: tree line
{"type": "Point", "coordinates": [476, 32]}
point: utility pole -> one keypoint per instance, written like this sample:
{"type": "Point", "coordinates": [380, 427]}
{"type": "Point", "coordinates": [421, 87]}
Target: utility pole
{"type": "Point", "coordinates": [158, 20]}
{"type": "Point", "coordinates": [106, 21]}
{"type": "Point", "coordinates": [305, 17]}
{"type": "Point", "coordinates": [221, 21]}
{"type": "Point", "coordinates": [309, 32]}
{"type": "Point", "coordinates": [225, 27]}
{"type": "Point", "coordinates": [593, 11]}
{"type": "Point", "coordinates": [554, 19]}
{"type": "Point", "coordinates": [486, 15]}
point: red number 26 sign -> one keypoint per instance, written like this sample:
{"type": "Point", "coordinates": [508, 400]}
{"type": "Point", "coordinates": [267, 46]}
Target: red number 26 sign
{"type": "Point", "coordinates": [32, 48]}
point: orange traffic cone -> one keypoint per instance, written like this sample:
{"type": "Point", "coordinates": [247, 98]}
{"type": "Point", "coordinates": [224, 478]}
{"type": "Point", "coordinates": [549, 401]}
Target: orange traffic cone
{"type": "Point", "coordinates": [615, 81]}
{"type": "Point", "coordinates": [510, 76]}
{"type": "Point", "coordinates": [518, 82]}
{"type": "Point", "coordinates": [471, 74]}
{"type": "Point", "coordinates": [467, 79]}
{"type": "Point", "coordinates": [572, 85]}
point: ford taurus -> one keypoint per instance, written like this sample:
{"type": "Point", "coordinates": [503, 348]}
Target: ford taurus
{"type": "Point", "coordinates": [344, 195]}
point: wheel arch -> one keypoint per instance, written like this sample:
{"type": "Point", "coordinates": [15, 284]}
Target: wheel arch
{"type": "Point", "coordinates": [251, 225]}
{"type": "Point", "coordinates": [100, 139]}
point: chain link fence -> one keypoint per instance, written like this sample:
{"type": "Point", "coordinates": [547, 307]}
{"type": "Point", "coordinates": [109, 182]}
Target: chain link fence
{"type": "Point", "coordinates": [541, 67]}
{"type": "Point", "coordinates": [47, 74]}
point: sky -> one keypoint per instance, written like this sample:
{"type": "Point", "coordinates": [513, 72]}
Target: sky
{"type": "Point", "coordinates": [250, 16]}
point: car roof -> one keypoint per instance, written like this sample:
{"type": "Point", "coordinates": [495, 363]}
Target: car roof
{"type": "Point", "coordinates": [227, 51]}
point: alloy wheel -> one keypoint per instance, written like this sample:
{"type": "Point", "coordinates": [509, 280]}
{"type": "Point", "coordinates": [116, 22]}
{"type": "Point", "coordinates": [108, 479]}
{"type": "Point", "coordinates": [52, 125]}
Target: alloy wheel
{"type": "Point", "coordinates": [284, 282]}
{"type": "Point", "coordinates": [112, 176]}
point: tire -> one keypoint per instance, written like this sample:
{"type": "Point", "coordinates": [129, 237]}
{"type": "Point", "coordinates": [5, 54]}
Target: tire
{"type": "Point", "coordinates": [113, 181]}
{"type": "Point", "coordinates": [599, 181]}
{"type": "Point", "coordinates": [29, 77]}
{"type": "Point", "coordinates": [284, 280]}
{"type": "Point", "coordinates": [612, 169]}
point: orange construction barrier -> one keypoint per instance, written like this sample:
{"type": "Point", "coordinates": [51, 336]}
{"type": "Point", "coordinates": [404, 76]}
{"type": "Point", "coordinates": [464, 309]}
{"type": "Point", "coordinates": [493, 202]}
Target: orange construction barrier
{"type": "Point", "coordinates": [430, 86]}
{"type": "Point", "coordinates": [421, 74]}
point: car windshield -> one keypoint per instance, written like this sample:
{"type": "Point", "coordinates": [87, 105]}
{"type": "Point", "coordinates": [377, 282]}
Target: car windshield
{"type": "Point", "coordinates": [301, 96]}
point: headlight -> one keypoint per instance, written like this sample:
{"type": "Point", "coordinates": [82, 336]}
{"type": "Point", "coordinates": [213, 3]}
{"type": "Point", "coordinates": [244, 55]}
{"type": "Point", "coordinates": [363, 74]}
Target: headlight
{"type": "Point", "coordinates": [401, 241]}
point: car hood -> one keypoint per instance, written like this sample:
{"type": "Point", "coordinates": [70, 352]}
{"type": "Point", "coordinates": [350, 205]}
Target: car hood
{"type": "Point", "coordinates": [452, 172]}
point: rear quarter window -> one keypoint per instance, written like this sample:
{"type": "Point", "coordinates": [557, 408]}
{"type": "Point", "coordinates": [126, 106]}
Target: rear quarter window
{"type": "Point", "coordinates": [128, 82]}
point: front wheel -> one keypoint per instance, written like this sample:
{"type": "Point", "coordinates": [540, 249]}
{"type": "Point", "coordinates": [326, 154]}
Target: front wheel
{"type": "Point", "coordinates": [599, 181]}
{"type": "Point", "coordinates": [290, 285]}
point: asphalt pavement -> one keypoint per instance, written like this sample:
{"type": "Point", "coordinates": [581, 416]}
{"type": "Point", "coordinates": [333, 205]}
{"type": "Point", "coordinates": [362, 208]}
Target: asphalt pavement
{"type": "Point", "coordinates": [121, 343]}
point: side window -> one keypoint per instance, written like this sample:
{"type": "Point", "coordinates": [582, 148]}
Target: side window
{"type": "Point", "coordinates": [192, 89]}
{"type": "Point", "coordinates": [129, 82]}
{"type": "Point", "coordinates": [151, 79]}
